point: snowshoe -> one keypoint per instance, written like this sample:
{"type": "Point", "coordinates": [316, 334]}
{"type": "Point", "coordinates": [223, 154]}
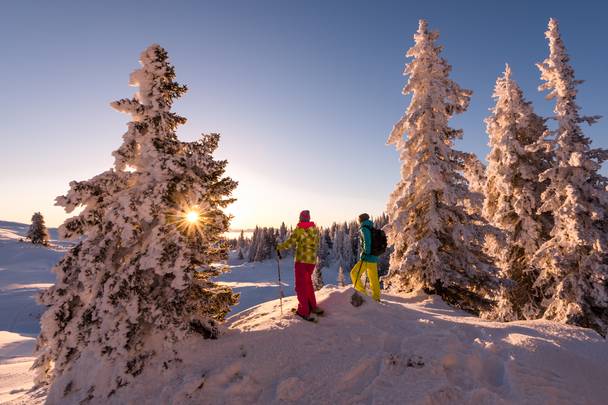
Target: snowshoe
{"type": "Point", "coordinates": [356, 299]}
{"type": "Point", "coordinates": [307, 318]}
{"type": "Point", "coordinates": [318, 311]}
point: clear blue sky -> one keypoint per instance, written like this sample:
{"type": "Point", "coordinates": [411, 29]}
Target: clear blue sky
{"type": "Point", "coordinates": [304, 93]}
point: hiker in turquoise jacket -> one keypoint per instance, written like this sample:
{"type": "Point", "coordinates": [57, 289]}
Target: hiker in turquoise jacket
{"type": "Point", "coordinates": [367, 262]}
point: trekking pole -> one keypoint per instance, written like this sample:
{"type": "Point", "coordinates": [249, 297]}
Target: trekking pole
{"type": "Point", "coordinates": [280, 284]}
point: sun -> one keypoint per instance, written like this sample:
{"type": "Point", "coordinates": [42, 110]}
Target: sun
{"type": "Point", "coordinates": [192, 217]}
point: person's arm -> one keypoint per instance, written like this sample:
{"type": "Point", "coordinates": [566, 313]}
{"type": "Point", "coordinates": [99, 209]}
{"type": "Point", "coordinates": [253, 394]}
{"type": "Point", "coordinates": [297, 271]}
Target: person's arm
{"type": "Point", "coordinates": [288, 243]}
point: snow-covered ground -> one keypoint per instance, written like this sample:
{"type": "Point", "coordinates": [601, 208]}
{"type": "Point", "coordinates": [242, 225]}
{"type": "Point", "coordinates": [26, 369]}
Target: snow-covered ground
{"type": "Point", "coordinates": [259, 282]}
{"type": "Point", "coordinates": [410, 349]}
{"type": "Point", "coordinates": [24, 270]}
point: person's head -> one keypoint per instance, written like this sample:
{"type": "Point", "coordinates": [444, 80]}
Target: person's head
{"type": "Point", "coordinates": [305, 216]}
{"type": "Point", "coordinates": [363, 217]}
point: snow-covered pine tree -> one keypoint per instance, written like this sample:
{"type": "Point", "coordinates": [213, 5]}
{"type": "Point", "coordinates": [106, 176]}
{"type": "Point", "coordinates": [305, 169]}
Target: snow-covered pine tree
{"type": "Point", "coordinates": [262, 246]}
{"type": "Point", "coordinates": [271, 240]}
{"type": "Point", "coordinates": [317, 276]}
{"type": "Point", "coordinates": [337, 250]}
{"type": "Point", "coordinates": [438, 248]}
{"type": "Point", "coordinates": [324, 252]}
{"type": "Point", "coordinates": [241, 243]}
{"type": "Point", "coordinates": [283, 232]}
{"type": "Point", "coordinates": [475, 173]}
{"type": "Point", "coordinates": [139, 278]}
{"type": "Point", "coordinates": [253, 247]}
{"type": "Point", "coordinates": [347, 255]}
{"type": "Point", "coordinates": [37, 233]}
{"type": "Point", "coordinates": [573, 263]}
{"type": "Point", "coordinates": [513, 193]}
{"type": "Point", "coordinates": [327, 235]}
{"type": "Point", "coordinates": [353, 233]}
{"type": "Point", "coordinates": [340, 280]}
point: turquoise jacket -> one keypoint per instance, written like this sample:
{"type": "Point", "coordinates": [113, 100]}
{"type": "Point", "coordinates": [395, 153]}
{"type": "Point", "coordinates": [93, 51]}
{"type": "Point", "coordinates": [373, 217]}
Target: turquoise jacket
{"type": "Point", "coordinates": [365, 242]}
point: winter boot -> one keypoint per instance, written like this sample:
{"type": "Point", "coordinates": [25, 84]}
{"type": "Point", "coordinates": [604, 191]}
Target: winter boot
{"type": "Point", "coordinates": [307, 318]}
{"type": "Point", "coordinates": [318, 311]}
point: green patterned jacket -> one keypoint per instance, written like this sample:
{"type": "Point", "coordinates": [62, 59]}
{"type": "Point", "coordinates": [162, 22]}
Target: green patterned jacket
{"type": "Point", "coordinates": [306, 240]}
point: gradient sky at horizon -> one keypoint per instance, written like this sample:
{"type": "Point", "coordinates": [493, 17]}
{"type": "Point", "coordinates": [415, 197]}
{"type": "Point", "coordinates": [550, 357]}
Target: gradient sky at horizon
{"type": "Point", "coordinates": [303, 93]}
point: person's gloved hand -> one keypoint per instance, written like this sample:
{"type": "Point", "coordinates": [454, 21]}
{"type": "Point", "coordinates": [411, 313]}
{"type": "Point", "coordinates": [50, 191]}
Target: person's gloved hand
{"type": "Point", "coordinates": [278, 253]}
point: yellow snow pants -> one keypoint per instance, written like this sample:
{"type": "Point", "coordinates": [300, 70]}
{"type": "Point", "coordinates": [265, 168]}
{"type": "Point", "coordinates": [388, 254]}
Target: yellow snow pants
{"type": "Point", "coordinates": [372, 275]}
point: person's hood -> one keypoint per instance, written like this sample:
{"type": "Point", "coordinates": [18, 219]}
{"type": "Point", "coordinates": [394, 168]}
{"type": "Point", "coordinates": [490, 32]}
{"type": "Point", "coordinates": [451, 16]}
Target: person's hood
{"type": "Point", "coordinates": [367, 223]}
{"type": "Point", "coordinates": [306, 225]}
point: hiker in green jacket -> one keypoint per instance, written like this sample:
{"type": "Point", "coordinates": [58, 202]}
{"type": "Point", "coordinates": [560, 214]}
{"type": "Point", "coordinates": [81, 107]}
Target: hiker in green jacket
{"type": "Point", "coordinates": [367, 262]}
{"type": "Point", "coordinates": [306, 240]}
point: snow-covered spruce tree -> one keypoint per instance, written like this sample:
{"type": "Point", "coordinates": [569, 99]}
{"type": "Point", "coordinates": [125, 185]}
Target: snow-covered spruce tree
{"type": "Point", "coordinates": [438, 248]}
{"type": "Point", "coordinates": [327, 235]}
{"type": "Point", "coordinates": [340, 280]}
{"type": "Point", "coordinates": [513, 192]}
{"type": "Point", "coordinates": [324, 252]}
{"type": "Point", "coordinates": [573, 263]}
{"type": "Point", "coordinates": [474, 171]}
{"type": "Point", "coordinates": [139, 279]}
{"type": "Point", "coordinates": [253, 246]}
{"type": "Point", "coordinates": [353, 232]}
{"type": "Point", "coordinates": [348, 257]}
{"type": "Point", "coordinates": [317, 276]}
{"type": "Point", "coordinates": [38, 234]}
{"type": "Point", "coordinates": [282, 232]}
{"type": "Point", "coordinates": [337, 251]}
{"type": "Point", "coordinates": [241, 243]}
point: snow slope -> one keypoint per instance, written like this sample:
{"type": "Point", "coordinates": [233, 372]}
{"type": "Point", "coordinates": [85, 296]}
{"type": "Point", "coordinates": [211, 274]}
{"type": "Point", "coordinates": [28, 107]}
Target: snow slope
{"type": "Point", "coordinates": [257, 282]}
{"type": "Point", "coordinates": [24, 270]}
{"type": "Point", "coordinates": [411, 349]}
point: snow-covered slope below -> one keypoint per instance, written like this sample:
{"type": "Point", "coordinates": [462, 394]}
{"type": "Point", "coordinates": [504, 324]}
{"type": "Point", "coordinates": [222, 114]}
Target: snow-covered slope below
{"type": "Point", "coordinates": [24, 270]}
{"type": "Point", "coordinates": [410, 349]}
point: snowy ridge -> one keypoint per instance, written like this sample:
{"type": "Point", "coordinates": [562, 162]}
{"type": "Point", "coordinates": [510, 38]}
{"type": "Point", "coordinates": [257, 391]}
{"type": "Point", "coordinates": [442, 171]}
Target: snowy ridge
{"type": "Point", "coordinates": [411, 349]}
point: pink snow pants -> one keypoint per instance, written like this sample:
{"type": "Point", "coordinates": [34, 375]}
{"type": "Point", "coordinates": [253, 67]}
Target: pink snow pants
{"type": "Point", "coordinates": [304, 289]}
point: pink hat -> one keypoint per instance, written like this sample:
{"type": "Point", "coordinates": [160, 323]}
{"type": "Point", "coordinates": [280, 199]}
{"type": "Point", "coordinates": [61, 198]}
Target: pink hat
{"type": "Point", "coordinates": [305, 216]}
